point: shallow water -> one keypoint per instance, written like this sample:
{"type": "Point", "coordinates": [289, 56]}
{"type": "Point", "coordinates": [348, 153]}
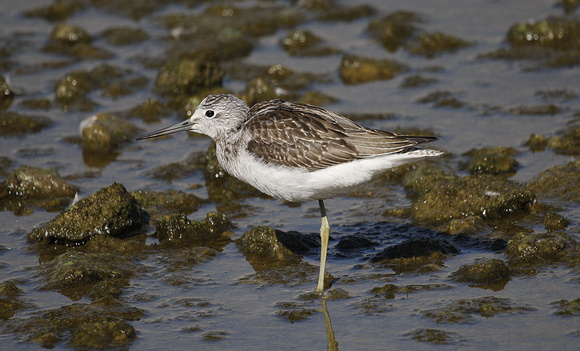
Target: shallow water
{"type": "Point", "coordinates": [213, 299]}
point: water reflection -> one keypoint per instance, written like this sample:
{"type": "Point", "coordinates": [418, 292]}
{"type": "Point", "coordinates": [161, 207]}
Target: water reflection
{"type": "Point", "coordinates": [332, 344]}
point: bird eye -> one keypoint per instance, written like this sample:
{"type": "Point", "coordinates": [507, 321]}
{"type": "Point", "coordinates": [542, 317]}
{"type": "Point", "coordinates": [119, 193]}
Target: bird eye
{"type": "Point", "coordinates": [209, 113]}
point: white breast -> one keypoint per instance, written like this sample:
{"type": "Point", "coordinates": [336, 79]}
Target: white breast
{"type": "Point", "coordinates": [296, 184]}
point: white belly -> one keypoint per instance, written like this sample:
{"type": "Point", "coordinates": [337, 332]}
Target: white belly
{"type": "Point", "coordinates": [296, 184]}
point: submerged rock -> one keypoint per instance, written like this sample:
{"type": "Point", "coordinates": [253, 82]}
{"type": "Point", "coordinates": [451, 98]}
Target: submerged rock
{"type": "Point", "coordinates": [264, 250]}
{"type": "Point", "coordinates": [178, 230]}
{"type": "Point", "coordinates": [70, 39]}
{"type": "Point", "coordinates": [36, 183]}
{"type": "Point", "coordinates": [73, 274]}
{"type": "Point", "coordinates": [421, 178]}
{"type": "Point", "coordinates": [167, 202]}
{"type": "Point", "coordinates": [57, 11]}
{"type": "Point", "coordinates": [462, 311]}
{"type": "Point", "coordinates": [10, 301]}
{"type": "Point", "coordinates": [274, 263]}
{"type": "Point", "coordinates": [567, 142]}
{"type": "Point", "coordinates": [347, 13]}
{"type": "Point", "coordinates": [395, 29]}
{"type": "Point", "coordinates": [551, 42]}
{"type": "Point", "coordinates": [109, 211]}
{"type": "Point", "coordinates": [479, 195]}
{"type": "Point", "coordinates": [497, 160]}
{"type": "Point", "coordinates": [555, 32]}
{"type": "Point", "coordinates": [420, 254]}
{"type": "Point", "coordinates": [540, 249]}
{"type": "Point", "coordinates": [69, 34]}
{"type": "Point", "coordinates": [434, 336]}
{"type": "Point", "coordinates": [305, 43]}
{"type": "Point", "coordinates": [258, 90]}
{"type": "Point", "coordinates": [81, 326]}
{"type": "Point", "coordinates": [103, 334]}
{"type": "Point", "coordinates": [558, 182]}
{"type": "Point", "coordinates": [431, 44]}
{"type": "Point", "coordinates": [15, 124]}
{"type": "Point", "coordinates": [105, 133]}
{"type": "Point", "coordinates": [442, 99]}
{"type": "Point", "coordinates": [6, 93]}
{"type": "Point", "coordinates": [124, 35]}
{"type": "Point", "coordinates": [72, 90]}
{"type": "Point", "coordinates": [492, 273]}
{"type": "Point", "coordinates": [188, 77]}
{"type": "Point", "coordinates": [567, 308]}
{"type": "Point", "coordinates": [357, 69]}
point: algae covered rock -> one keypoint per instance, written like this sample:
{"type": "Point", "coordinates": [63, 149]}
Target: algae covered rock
{"type": "Point", "coordinates": [479, 195]}
{"type": "Point", "coordinates": [463, 311]}
{"type": "Point", "coordinates": [73, 274]}
{"type": "Point", "coordinates": [431, 44]}
{"type": "Point", "coordinates": [104, 133]}
{"type": "Point", "coordinates": [262, 243]}
{"type": "Point", "coordinates": [73, 40]}
{"type": "Point", "coordinates": [304, 43]}
{"type": "Point", "coordinates": [6, 93]}
{"type": "Point", "coordinates": [71, 91]}
{"type": "Point", "coordinates": [109, 211]}
{"type": "Point", "coordinates": [103, 334]}
{"type": "Point", "coordinates": [415, 255]}
{"type": "Point", "coordinates": [167, 202]}
{"type": "Point", "coordinates": [258, 90]}
{"type": "Point", "coordinates": [498, 160]}
{"type": "Point", "coordinates": [395, 29]}
{"type": "Point", "coordinates": [29, 182]}
{"type": "Point", "coordinates": [274, 263]}
{"type": "Point", "coordinates": [16, 124]}
{"type": "Point", "coordinates": [550, 42]}
{"type": "Point", "coordinates": [420, 179]}
{"type": "Point", "coordinates": [81, 326]}
{"type": "Point", "coordinates": [484, 273]}
{"type": "Point", "coordinates": [555, 32]}
{"type": "Point", "coordinates": [178, 230]}
{"type": "Point", "coordinates": [539, 249]}
{"type": "Point", "coordinates": [188, 77]}
{"type": "Point", "coordinates": [558, 182]}
{"type": "Point", "coordinates": [10, 301]}
{"type": "Point", "coordinates": [357, 69]}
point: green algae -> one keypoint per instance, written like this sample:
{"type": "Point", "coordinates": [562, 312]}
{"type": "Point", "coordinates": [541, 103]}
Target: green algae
{"type": "Point", "coordinates": [167, 202]}
{"type": "Point", "coordinates": [28, 187]}
{"type": "Point", "coordinates": [497, 160]}
{"type": "Point", "coordinates": [15, 124]}
{"type": "Point", "coordinates": [433, 336]}
{"type": "Point", "coordinates": [177, 230]}
{"type": "Point", "coordinates": [109, 211]}
{"type": "Point", "coordinates": [492, 273]}
{"type": "Point", "coordinates": [357, 69]}
{"type": "Point", "coordinates": [558, 182]}
{"type": "Point", "coordinates": [482, 195]}
{"type": "Point", "coordinates": [464, 311]}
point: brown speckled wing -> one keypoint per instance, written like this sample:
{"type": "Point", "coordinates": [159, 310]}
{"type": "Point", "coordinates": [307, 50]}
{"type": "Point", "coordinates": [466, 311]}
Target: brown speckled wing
{"type": "Point", "coordinates": [304, 136]}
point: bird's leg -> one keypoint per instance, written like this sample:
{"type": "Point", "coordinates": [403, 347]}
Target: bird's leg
{"type": "Point", "coordinates": [324, 235]}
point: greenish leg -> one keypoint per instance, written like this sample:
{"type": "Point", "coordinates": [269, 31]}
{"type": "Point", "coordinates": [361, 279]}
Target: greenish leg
{"type": "Point", "coordinates": [324, 236]}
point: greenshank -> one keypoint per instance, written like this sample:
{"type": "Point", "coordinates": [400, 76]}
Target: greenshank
{"type": "Point", "coordinates": [297, 152]}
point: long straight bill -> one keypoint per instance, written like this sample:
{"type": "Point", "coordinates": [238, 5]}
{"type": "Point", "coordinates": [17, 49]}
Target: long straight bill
{"type": "Point", "coordinates": [176, 128]}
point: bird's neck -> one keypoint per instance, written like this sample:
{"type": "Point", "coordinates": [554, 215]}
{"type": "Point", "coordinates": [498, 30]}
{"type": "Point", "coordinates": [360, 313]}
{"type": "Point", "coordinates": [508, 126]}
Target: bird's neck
{"type": "Point", "coordinates": [227, 149]}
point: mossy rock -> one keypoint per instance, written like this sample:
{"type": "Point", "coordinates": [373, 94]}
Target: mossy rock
{"type": "Point", "coordinates": [479, 195]}
{"type": "Point", "coordinates": [109, 211]}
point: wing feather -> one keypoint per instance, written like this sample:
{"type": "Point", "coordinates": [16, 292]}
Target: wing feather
{"type": "Point", "coordinates": [305, 136]}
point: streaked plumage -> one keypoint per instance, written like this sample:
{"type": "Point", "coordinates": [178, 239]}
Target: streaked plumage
{"type": "Point", "coordinates": [296, 151]}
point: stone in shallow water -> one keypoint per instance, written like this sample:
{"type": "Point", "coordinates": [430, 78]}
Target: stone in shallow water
{"type": "Point", "coordinates": [479, 195]}
{"type": "Point", "coordinates": [109, 211]}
